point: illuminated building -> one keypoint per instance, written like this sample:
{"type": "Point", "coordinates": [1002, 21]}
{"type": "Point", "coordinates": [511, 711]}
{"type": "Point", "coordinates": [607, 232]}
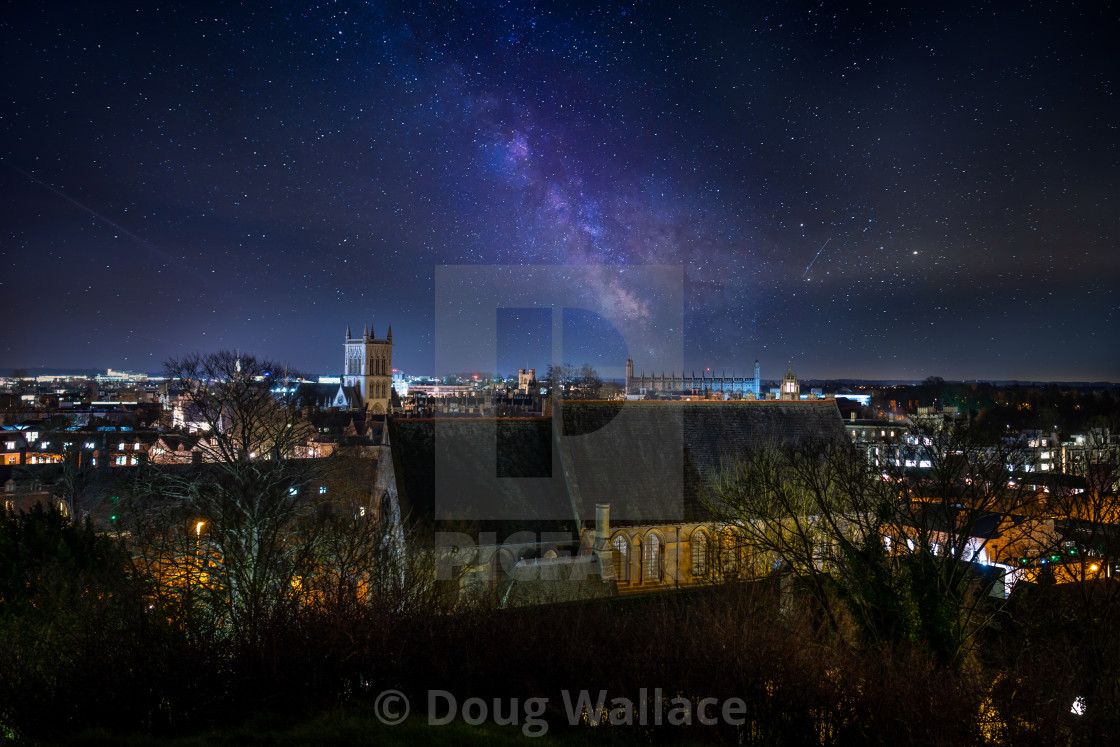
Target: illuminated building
{"type": "Point", "coordinates": [731, 387]}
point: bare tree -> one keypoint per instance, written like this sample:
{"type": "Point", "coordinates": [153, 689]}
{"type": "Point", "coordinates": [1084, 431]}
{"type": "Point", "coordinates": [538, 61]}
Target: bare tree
{"type": "Point", "coordinates": [905, 552]}
{"type": "Point", "coordinates": [239, 524]}
{"type": "Point", "coordinates": [1082, 558]}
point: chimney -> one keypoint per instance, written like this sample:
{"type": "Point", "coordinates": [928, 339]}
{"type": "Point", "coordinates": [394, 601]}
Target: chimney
{"type": "Point", "coordinates": [602, 524]}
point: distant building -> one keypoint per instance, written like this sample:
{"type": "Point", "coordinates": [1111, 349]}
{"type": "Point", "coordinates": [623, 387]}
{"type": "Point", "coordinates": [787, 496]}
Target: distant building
{"type": "Point", "coordinates": [526, 379]}
{"type": "Point", "coordinates": [367, 377]}
{"type": "Point", "coordinates": [731, 387]}
{"type": "Point", "coordinates": [791, 388]}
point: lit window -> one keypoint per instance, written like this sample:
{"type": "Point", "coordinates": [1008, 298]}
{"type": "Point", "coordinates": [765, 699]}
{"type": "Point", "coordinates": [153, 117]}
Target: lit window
{"type": "Point", "coordinates": [651, 567]}
{"type": "Point", "coordinates": [293, 491]}
{"type": "Point", "coordinates": [90, 445]}
{"type": "Point", "coordinates": [621, 558]}
{"type": "Point", "coordinates": [700, 554]}
{"type": "Point", "coordinates": [322, 490]}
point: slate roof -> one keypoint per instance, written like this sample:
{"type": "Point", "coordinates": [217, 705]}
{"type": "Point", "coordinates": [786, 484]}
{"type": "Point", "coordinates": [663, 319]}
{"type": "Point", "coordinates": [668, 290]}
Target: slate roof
{"type": "Point", "coordinates": [652, 460]}
{"type": "Point", "coordinates": [649, 460]}
{"type": "Point", "coordinates": [496, 474]}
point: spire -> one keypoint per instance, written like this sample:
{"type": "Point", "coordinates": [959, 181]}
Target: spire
{"type": "Point", "coordinates": [389, 336]}
{"type": "Point", "coordinates": [365, 331]}
{"type": "Point", "coordinates": [372, 334]}
{"type": "Point", "coordinates": [348, 335]}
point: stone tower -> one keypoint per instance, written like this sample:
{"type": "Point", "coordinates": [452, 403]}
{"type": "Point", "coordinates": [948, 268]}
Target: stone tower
{"type": "Point", "coordinates": [791, 388]}
{"type": "Point", "coordinates": [368, 367]}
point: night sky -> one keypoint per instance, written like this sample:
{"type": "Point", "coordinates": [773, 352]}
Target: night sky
{"type": "Point", "coordinates": [869, 192]}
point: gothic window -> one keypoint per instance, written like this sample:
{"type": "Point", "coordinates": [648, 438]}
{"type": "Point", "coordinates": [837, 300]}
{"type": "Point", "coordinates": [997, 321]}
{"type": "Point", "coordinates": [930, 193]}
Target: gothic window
{"type": "Point", "coordinates": [700, 553]}
{"type": "Point", "coordinates": [651, 560]}
{"type": "Point", "coordinates": [732, 545]}
{"type": "Point", "coordinates": [621, 558]}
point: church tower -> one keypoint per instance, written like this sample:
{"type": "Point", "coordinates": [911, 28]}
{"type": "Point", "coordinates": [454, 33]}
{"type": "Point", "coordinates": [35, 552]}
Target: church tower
{"type": "Point", "coordinates": [368, 368]}
{"type": "Point", "coordinates": [629, 374]}
{"type": "Point", "coordinates": [791, 389]}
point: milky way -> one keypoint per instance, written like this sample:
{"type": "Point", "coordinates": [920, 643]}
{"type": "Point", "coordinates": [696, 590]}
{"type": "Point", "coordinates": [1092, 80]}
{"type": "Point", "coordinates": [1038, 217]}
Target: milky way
{"type": "Point", "coordinates": [204, 176]}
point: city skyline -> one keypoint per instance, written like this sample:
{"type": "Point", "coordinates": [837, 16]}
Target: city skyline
{"type": "Point", "coordinates": [874, 194]}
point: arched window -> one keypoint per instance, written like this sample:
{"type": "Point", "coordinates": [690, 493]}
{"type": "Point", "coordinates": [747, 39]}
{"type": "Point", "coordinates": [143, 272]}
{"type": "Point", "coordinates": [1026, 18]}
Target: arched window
{"type": "Point", "coordinates": [732, 548]}
{"type": "Point", "coordinates": [651, 560]}
{"type": "Point", "coordinates": [621, 558]}
{"type": "Point", "coordinates": [700, 553]}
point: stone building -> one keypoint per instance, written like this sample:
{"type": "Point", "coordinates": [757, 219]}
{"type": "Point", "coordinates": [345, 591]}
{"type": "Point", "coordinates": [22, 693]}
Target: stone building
{"type": "Point", "coordinates": [650, 462]}
{"type": "Point", "coordinates": [791, 388]}
{"type": "Point", "coordinates": [526, 380]}
{"type": "Point", "coordinates": [731, 387]}
{"type": "Point", "coordinates": [367, 374]}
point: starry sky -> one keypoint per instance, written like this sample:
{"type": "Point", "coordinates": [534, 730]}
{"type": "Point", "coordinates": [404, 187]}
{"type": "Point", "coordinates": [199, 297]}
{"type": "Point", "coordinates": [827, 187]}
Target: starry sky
{"type": "Point", "coordinates": [870, 192]}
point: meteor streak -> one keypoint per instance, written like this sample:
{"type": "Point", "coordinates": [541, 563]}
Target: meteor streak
{"type": "Point", "coordinates": [79, 205]}
{"type": "Point", "coordinates": [815, 258]}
